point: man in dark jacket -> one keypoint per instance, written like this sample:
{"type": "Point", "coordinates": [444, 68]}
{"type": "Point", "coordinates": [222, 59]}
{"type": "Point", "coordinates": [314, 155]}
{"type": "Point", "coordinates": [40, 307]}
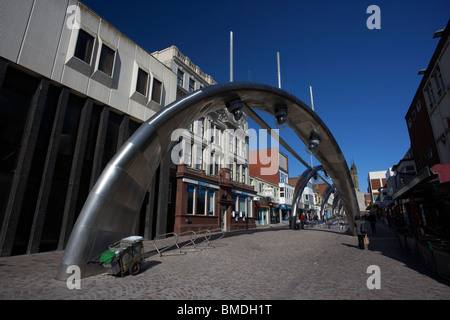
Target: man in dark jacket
{"type": "Point", "coordinates": [360, 228]}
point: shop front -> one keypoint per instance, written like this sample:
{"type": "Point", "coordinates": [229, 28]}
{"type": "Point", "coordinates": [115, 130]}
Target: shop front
{"type": "Point", "coordinates": [274, 213]}
{"type": "Point", "coordinates": [421, 216]}
{"type": "Point", "coordinates": [262, 211]}
{"type": "Point", "coordinates": [285, 212]}
{"type": "Point", "coordinates": [211, 202]}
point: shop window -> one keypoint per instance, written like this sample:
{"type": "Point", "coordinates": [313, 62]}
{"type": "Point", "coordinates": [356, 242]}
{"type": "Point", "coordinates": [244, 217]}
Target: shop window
{"type": "Point", "coordinates": [190, 199]}
{"type": "Point", "coordinates": [106, 62]}
{"type": "Point", "coordinates": [201, 203]}
{"type": "Point", "coordinates": [242, 204]}
{"type": "Point", "coordinates": [249, 208]}
{"type": "Point", "coordinates": [211, 194]}
{"type": "Point", "coordinates": [85, 44]}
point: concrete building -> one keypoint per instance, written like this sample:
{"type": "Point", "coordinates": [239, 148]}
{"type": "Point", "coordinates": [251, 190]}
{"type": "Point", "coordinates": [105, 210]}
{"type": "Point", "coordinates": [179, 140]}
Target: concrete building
{"type": "Point", "coordinates": [73, 89]}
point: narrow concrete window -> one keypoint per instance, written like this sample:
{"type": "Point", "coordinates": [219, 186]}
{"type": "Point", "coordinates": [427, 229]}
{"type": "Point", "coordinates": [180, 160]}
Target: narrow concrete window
{"type": "Point", "coordinates": [106, 62]}
{"type": "Point", "coordinates": [156, 90]}
{"type": "Point", "coordinates": [85, 44]}
{"type": "Point", "coordinates": [141, 83]}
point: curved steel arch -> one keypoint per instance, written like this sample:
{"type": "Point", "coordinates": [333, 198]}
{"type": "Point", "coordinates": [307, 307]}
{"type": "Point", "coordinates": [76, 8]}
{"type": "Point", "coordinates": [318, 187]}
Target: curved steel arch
{"type": "Point", "coordinates": [336, 201]}
{"type": "Point", "coordinates": [298, 191]}
{"type": "Point", "coordinates": [112, 208]}
{"type": "Point", "coordinates": [326, 195]}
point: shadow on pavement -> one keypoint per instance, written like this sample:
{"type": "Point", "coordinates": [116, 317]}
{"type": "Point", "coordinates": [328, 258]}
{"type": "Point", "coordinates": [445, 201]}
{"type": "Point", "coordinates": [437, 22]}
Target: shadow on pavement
{"type": "Point", "coordinates": [386, 241]}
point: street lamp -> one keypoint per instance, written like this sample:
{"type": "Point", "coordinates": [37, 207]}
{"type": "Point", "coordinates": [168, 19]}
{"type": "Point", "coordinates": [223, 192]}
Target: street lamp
{"type": "Point", "coordinates": [281, 114]}
{"type": "Point", "coordinates": [235, 107]}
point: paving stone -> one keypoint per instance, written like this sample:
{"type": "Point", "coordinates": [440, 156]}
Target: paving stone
{"type": "Point", "coordinates": [262, 264]}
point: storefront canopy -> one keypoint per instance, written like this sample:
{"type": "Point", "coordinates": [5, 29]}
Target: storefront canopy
{"type": "Point", "coordinates": [443, 172]}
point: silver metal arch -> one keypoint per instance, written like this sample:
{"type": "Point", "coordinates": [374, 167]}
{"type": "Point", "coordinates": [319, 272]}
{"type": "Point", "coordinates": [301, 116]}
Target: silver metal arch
{"type": "Point", "coordinates": [336, 200]}
{"type": "Point", "coordinates": [298, 191]}
{"type": "Point", "coordinates": [326, 195]}
{"type": "Point", "coordinates": [112, 208]}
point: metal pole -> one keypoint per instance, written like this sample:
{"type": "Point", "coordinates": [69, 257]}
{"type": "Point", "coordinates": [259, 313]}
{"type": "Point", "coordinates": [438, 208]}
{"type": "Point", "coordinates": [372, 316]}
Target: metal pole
{"type": "Point", "coordinates": [231, 56]}
{"type": "Point", "coordinates": [279, 71]}
{"type": "Point", "coordinates": [312, 106]}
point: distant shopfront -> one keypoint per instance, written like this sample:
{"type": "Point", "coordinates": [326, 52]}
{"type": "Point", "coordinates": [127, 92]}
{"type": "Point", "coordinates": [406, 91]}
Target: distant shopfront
{"type": "Point", "coordinates": [211, 202]}
{"type": "Point", "coordinates": [421, 215]}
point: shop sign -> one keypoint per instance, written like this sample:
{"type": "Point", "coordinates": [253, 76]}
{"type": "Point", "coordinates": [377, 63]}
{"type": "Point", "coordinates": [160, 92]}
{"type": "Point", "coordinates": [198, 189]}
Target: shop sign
{"type": "Point", "coordinates": [200, 183]}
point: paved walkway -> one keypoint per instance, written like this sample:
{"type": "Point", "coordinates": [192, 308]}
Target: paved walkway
{"type": "Point", "coordinates": [263, 264]}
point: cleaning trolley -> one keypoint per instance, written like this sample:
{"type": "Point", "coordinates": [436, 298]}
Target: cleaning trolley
{"type": "Point", "coordinates": [126, 255]}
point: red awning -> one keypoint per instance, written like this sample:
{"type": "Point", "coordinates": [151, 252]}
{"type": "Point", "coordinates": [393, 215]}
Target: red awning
{"type": "Point", "coordinates": [443, 171]}
{"type": "Point", "coordinates": [257, 205]}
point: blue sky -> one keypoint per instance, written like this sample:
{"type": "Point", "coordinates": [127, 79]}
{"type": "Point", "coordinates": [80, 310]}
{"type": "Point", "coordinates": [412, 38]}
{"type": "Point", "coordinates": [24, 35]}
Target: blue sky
{"type": "Point", "coordinates": [363, 80]}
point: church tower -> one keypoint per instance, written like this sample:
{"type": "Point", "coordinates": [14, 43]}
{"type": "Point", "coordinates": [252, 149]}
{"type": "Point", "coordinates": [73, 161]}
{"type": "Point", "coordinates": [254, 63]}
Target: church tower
{"type": "Point", "coordinates": [354, 175]}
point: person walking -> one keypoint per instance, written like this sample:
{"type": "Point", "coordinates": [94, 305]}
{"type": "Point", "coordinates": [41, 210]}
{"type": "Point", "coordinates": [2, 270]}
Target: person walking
{"type": "Point", "coordinates": [373, 220]}
{"type": "Point", "coordinates": [302, 221]}
{"type": "Point", "coordinates": [360, 228]}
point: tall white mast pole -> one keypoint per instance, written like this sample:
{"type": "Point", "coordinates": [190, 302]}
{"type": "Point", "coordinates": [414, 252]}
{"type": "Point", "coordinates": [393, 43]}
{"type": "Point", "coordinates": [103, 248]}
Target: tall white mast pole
{"type": "Point", "coordinates": [279, 71]}
{"type": "Point", "coordinates": [231, 56]}
{"type": "Point", "coordinates": [312, 106]}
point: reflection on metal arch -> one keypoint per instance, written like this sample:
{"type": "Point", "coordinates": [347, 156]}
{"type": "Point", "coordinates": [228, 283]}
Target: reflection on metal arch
{"type": "Point", "coordinates": [326, 195]}
{"type": "Point", "coordinates": [111, 210]}
{"type": "Point", "coordinates": [336, 201]}
{"type": "Point", "coordinates": [298, 191]}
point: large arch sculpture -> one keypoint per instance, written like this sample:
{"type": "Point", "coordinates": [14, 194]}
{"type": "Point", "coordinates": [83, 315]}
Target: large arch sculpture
{"type": "Point", "coordinates": [111, 210]}
{"type": "Point", "coordinates": [298, 191]}
{"type": "Point", "coordinates": [326, 195]}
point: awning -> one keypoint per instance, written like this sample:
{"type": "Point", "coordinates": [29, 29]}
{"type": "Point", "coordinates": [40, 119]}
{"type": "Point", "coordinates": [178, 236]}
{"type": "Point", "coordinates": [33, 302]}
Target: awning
{"type": "Point", "coordinates": [443, 171]}
{"type": "Point", "coordinates": [257, 205]}
{"type": "Point", "coordinates": [422, 176]}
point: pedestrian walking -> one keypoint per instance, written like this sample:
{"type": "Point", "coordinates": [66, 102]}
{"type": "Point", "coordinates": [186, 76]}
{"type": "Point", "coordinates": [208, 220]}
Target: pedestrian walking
{"type": "Point", "coordinates": [302, 221]}
{"type": "Point", "coordinates": [373, 220]}
{"type": "Point", "coordinates": [360, 228]}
